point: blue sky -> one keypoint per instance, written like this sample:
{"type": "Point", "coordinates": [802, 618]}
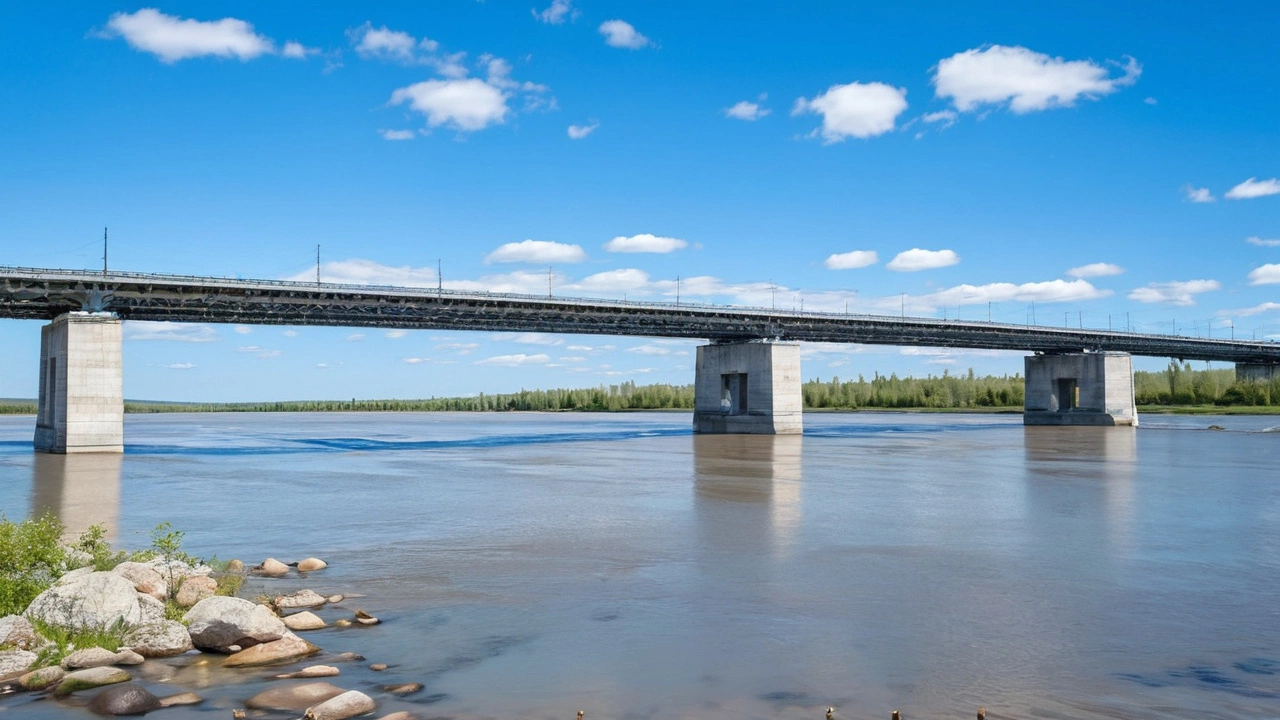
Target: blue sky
{"type": "Point", "coordinates": [1104, 163]}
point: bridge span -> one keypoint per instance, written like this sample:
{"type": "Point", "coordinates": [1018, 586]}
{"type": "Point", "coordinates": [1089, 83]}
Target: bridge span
{"type": "Point", "coordinates": [747, 379]}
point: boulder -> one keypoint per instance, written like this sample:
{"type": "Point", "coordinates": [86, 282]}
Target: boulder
{"type": "Point", "coordinates": [145, 578]}
{"type": "Point", "coordinates": [16, 661]}
{"type": "Point", "coordinates": [311, 671]}
{"type": "Point", "coordinates": [159, 640]}
{"type": "Point", "coordinates": [304, 621]}
{"type": "Point", "coordinates": [42, 678]}
{"type": "Point", "coordinates": [90, 678]}
{"type": "Point", "coordinates": [175, 571]}
{"type": "Point", "coordinates": [301, 599]}
{"type": "Point", "coordinates": [93, 600]}
{"type": "Point", "coordinates": [152, 609]}
{"type": "Point", "coordinates": [16, 632]}
{"type": "Point", "coordinates": [126, 699]}
{"type": "Point", "coordinates": [90, 657]}
{"type": "Point", "coordinates": [334, 599]}
{"type": "Point", "coordinates": [235, 566]}
{"type": "Point", "coordinates": [218, 622]}
{"type": "Point", "coordinates": [287, 648]}
{"type": "Point", "coordinates": [186, 698]}
{"type": "Point", "coordinates": [196, 588]}
{"type": "Point", "coordinates": [272, 567]}
{"type": "Point", "coordinates": [311, 564]}
{"type": "Point", "coordinates": [293, 698]}
{"type": "Point", "coordinates": [347, 705]}
{"type": "Point", "coordinates": [129, 657]}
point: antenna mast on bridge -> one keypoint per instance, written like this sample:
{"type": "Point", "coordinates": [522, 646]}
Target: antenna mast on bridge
{"type": "Point", "coordinates": [104, 252]}
{"type": "Point", "coordinates": [317, 266]}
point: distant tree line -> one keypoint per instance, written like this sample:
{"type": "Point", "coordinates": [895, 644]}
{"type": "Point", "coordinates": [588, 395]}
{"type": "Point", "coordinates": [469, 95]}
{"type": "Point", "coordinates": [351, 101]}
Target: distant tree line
{"type": "Point", "coordinates": [1177, 385]}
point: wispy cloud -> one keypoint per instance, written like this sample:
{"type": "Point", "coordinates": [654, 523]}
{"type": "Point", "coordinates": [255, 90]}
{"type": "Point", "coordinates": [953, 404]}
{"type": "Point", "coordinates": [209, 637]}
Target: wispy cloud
{"type": "Point", "coordinates": [557, 12]}
{"type": "Point", "coordinates": [180, 366]}
{"type": "Point", "coordinates": [538, 252]}
{"type": "Point", "coordinates": [1198, 195]}
{"type": "Point", "coordinates": [515, 360]}
{"type": "Point", "coordinates": [368, 272]}
{"type": "Point", "coordinates": [172, 331]}
{"type": "Point", "coordinates": [1098, 269]}
{"type": "Point", "coordinates": [1026, 80]}
{"type": "Point", "coordinates": [1254, 188]}
{"type": "Point", "coordinates": [1179, 292]}
{"type": "Point", "coordinates": [1262, 243]}
{"type": "Point", "coordinates": [748, 110]}
{"type": "Point", "coordinates": [578, 132]}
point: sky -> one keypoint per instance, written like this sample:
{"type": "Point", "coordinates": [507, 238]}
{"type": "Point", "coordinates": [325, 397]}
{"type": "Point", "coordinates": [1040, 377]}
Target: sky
{"type": "Point", "coordinates": [1088, 164]}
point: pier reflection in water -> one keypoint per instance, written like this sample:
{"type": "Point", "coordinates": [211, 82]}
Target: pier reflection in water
{"type": "Point", "coordinates": [79, 489]}
{"type": "Point", "coordinates": [1083, 472]}
{"type": "Point", "coordinates": [760, 469]}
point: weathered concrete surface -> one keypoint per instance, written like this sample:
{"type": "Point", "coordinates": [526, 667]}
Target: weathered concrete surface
{"type": "Point", "coordinates": [1256, 372]}
{"type": "Point", "coordinates": [1079, 389]}
{"type": "Point", "coordinates": [81, 407]}
{"type": "Point", "coordinates": [770, 373]}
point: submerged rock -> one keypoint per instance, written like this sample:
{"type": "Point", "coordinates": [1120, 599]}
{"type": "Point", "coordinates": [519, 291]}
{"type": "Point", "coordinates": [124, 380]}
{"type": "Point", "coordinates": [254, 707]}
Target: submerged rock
{"type": "Point", "coordinates": [312, 671]}
{"type": "Point", "coordinates": [301, 599]}
{"type": "Point", "coordinates": [159, 640]}
{"type": "Point", "coordinates": [186, 698]}
{"type": "Point", "coordinates": [127, 699]}
{"type": "Point", "coordinates": [42, 678]}
{"type": "Point", "coordinates": [218, 622]}
{"type": "Point", "coordinates": [403, 688]}
{"type": "Point", "coordinates": [92, 600]}
{"type": "Point", "coordinates": [288, 647]}
{"type": "Point", "coordinates": [347, 705]}
{"type": "Point", "coordinates": [91, 678]}
{"type": "Point", "coordinates": [294, 698]}
{"type": "Point", "coordinates": [272, 567]}
{"type": "Point", "coordinates": [311, 564]}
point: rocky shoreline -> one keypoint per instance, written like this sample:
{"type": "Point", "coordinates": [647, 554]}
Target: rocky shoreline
{"type": "Point", "coordinates": [176, 632]}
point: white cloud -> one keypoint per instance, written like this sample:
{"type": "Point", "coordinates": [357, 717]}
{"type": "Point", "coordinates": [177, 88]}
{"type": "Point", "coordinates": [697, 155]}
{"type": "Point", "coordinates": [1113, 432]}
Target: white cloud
{"type": "Point", "coordinates": [1180, 293]}
{"type": "Point", "coordinates": [1198, 195]}
{"type": "Point", "coordinates": [572, 358]}
{"type": "Point", "coordinates": [852, 259]}
{"type": "Point", "coordinates": [1045, 292]}
{"type": "Point", "coordinates": [613, 281]}
{"type": "Point", "coordinates": [557, 12]}
{"type": "Point", "coordinates": [578, 132]}
{"type": "Point", "coordinates": [1027, 80]}
{"type": "Point", "coordinates": [515, 360]}
{"type": "Point", "coordinates": [397, 134]}
{"type": "Point", "coordinates": [1254, 188]}
{"type": "Point", "coordinates": [297, 50]}
{"type": "Point", "coordinates": [532, 338]}
{"type": "Point", "coordinates": [1245, 312]}
{"type": "Point", "coordinates": [180, 366]}
{"type": "Point", "coordinates": [368, 272]}
{"type": "Point", "coordinates": [290, 333]}
{"type": "Point", "coordinates": [746, 110]}
{"type": "Point", "coordinates": [1265, 275]}
{"type": "Point", "coordinates": [416, 360]}
{"type": "Point", "coordinates": [523, 282]}
{"type": "Point", "coordinates": [917, 259]}
{"type": "Point", "coordinates": [1098, 269]}
{"type": "Point", "coordinates": [396, 334]}
{"type": "Point", "coordinates": [537, 251]}
{"type": "Point", "coordinates": [385, 44]}
{"type": "Point", "coordinates": [1255, 240]}
{"type": "Point", "coordinates": [860, 110]}
{"type": "Point", "coordinates": [946, 117]}
{"type": "Point", "coordinates": [620, 34]}
{"type": "Point", "coordinates": [645, 243]}
{"type": "Point", "coordinates": [355, 337]}
{"type": "Point", "coordinates": [465, 105]}
{"type": "Point", "coordinates": [1150, 101]}
{"type": "Point", "coordinates": [259, 352]}
{"type": "Point", "coordinates": [165, 330]}
{"type": "Point", "coordinates": [171, 38]}
{"type": "Point", "coordinates": [243, 329]}
{"type": "Point", "coordinates": [463, 348]}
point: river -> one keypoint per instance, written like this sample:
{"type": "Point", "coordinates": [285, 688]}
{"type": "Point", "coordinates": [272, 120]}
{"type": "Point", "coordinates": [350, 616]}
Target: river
{"type": "Point", "coordinates": [531, 565]}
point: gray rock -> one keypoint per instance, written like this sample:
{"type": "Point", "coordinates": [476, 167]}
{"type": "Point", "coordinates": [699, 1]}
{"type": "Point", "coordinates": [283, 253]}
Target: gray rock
{"type": "Point", "coordinates": [93, 600]}
{"type": "Point", "coordinates": [217, 623]}
{"type": "Point", "coordinates": [300, 599]}
{"type": "Point", "coordinates": [145, 579]}
{"type": "Point", "coordinates": [295, 698]}
{"type": "Point", "coordinates": [90, 678]}
{"type": "Point", "coordinates": [175, 571]}
{"type": "Point", "coordinates": [74, 574]}
{"type": "Point", "coordinates": [196, 588]}
{"type": "Point", "coordinates": [42, 678]}
{"type": "Point", "coordinates": [127, 699]}
{"type": "Point", "coordinates": [159, 640]}
{"type": "Point", "coordinates": [16, 632]}
{"type": "Point", "coordinates": [16, 661]}
{"type": "Point", "coordinates": [129, 657]}
{"type": "Point", "coordinates": [403, 688]}
{"type": "Point", "coordinates": [334, 599]}
{"type": "Point", "coordinates": [88, 658]}
{"type": "Point", "coordinates": [304, 621]}
{"type": "Point", "coordinates": [152, 609]}
{"type": "Point", "coordinates": [347, 705]}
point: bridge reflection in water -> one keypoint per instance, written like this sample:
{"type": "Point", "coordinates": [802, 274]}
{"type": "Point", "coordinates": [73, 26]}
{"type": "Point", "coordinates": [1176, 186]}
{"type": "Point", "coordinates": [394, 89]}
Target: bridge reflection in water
{"type": "Point", "coordinates": [80, 490]}
{"type": "Point", "coordinates": [1082, 472]}
{"type": "Point", "coordinates": [763, 470]}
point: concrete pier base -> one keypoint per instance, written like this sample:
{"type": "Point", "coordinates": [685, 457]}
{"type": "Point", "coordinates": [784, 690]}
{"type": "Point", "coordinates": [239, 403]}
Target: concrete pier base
{"type": "Point", "coordinates": [1256, 372]}
{"type": "Point", "coordinates": [81, 385]}
{"type": "Point", "coordinates": [1080, 389]}
{"type": "Point", "coordinates": [748, 387]}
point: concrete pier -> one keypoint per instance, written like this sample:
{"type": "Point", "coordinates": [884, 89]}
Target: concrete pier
{"type": "Point", "coordinates": [1256, 372]}
{"type": "Point", "coordinates": [1093, 388]}
{"type": "Point", "coordinates": [81, 405]}
{"type": "Point", "coordinates": [748, 387]}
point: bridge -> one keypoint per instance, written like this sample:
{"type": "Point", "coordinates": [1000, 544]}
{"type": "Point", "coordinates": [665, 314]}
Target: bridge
{"type": "Point", "coordinates": [746, 380]}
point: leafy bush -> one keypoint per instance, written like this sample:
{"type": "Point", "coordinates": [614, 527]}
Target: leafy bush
{"type": "Point", "coordinates": [31, 558]}
{"type": "Point", "coordinates": [66, 640]}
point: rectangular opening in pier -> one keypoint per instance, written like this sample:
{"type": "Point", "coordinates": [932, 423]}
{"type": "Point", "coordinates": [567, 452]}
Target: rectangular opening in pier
{"type": "Point", "coordinates": [51, 393]}
{"type": "Point", "coordinates": [734, 393]}
{"type": "Point", "coordinates": [1068, 394]}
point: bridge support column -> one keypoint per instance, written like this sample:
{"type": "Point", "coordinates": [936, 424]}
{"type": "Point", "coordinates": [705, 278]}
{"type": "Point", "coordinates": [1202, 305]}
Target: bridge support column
{"type": "Point", "coordinates": [1256, 372]}
{"type": "Point", "coordinates": [81, 385]}
{"type": "Point", "coordinates": [748, 387]}
{"type": "Point", "coordinates": [1094, 388]}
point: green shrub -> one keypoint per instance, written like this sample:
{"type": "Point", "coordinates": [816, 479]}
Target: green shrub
{"type": "Point", "coordinates": [66, 640]}
{"type": "Point", "coordinates": [93, 543]}
{"type": "Point", "coordinates": [31, 558]}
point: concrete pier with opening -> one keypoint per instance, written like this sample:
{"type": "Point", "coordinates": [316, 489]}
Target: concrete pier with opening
{"type": "Point", "coordinates": [1092, 388]}
{"type": "Point", "coordinates": [748, 387]}
{"type": "Point", "coordinates": [81, 405]}
{"type": "Point", "coordinates": [1257, 372]}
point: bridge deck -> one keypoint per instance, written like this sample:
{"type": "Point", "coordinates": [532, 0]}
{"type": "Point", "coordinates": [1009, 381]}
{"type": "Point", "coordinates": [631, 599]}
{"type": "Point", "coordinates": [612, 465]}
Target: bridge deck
{"type": "Point", "coordinates": [31, 293]}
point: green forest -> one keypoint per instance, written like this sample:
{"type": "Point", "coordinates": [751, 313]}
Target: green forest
{"type": "Point", "coordinates": [1176, 386]}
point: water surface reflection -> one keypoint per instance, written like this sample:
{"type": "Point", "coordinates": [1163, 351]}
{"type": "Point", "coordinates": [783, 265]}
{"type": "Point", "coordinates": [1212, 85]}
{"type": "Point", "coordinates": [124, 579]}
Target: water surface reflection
{"type": "Point", "coordinates": [79, 489]}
